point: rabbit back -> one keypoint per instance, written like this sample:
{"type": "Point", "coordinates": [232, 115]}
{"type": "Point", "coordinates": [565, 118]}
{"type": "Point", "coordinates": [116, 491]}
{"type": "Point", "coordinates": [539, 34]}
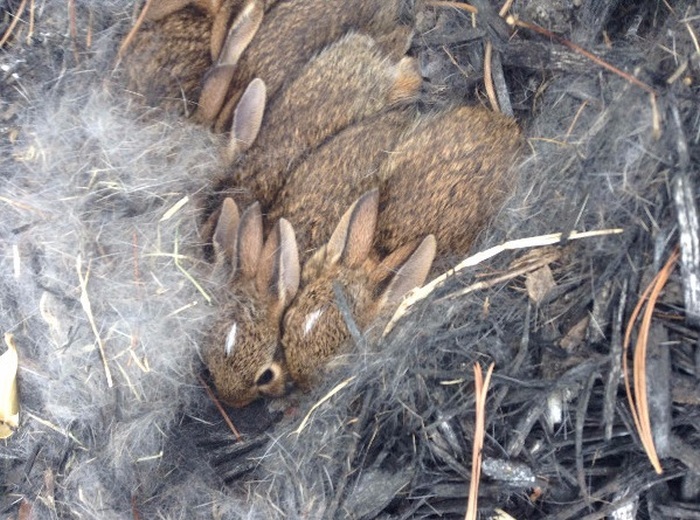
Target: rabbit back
{"type": "Point", "coordinates": [294, 32]}
{"type": "Point", "coordinates": [347, 83]}
{"type": "Point", "coordinates": [448, 176]}
{"type": "Point", "coordinates": [324, 185]}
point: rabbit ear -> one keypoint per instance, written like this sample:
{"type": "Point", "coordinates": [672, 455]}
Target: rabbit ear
{"type": "Point", "coordinates": [250, 240]}
{"type": "Point", "coordinates": [352, 239]}
{"type": "Point", "coordinates": [218, 79]}
{"type": "Point", "coordinates": [158, 10]}
{"type": "Point", "coordinates": [279, 270]}
{"type": "Point", "coordinates": [409, 273]}
{"type": "Point", "coordinates": [288, 273]}
{"type": "Point", "coordinates": [407, 81]}
{"type": "Point", "coordinates": [213, 94]}
{"type": "Point", "coordinates": [242, 31]}
{"type": "Point", "coordinates": [247, 118]}
{"type": "Point", "coordinates": [226, 233]}
{"type": "Point", "coordinates": [219, 28]}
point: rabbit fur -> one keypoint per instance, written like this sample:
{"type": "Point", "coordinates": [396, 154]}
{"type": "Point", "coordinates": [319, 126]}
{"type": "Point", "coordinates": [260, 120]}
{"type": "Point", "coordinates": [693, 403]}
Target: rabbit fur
{"type": "Point", "coordinates": [450, 195]}
{"type": "Point", "coordinates": [347, 123]}
{"type": "Point", "coordinates": [186, 38]}
{"type": "Point", "coordinates": [346, 83]}
{"type": "Point", "coordinates": [263, 280]}
{"type": "Point", "coordinates": [439, 181]}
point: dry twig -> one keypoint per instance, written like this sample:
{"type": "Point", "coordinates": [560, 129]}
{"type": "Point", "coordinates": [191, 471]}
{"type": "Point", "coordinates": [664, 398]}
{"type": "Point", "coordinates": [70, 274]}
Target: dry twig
{"type": "Point", "coordinates": [223, 413]}
{"type": "Point", "coordinates": [514, 21]}
{"type": "Point", "coordinates": [481, 387]}
{"type": "Point", "coordinates": [85, 302]}
{"type": "Point", "coordinates": [522, 243]}
{"type": "Point", "coordinates": [13, 24]}
{"type": "Point", "coordinates": [337, 388]}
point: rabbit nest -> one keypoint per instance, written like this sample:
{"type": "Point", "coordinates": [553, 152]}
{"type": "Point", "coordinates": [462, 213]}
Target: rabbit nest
{"type": "Point", "coordinates": [105, 293]}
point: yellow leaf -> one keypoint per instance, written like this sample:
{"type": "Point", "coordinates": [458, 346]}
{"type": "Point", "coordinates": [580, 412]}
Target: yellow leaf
{"type": "Point", "coordinates": [9, 403]}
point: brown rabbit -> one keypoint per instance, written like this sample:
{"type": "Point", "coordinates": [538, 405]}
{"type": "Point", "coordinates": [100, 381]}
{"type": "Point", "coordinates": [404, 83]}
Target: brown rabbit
{"type": "Point", "coordinates": [348, 82]}
{"type": "Point", "coordinates": [455, 164]}
{"type": "Point", "coordinates": [182, 39]}
{"type": "Point", "coordinates": [242, 352]}
{"type": "Point", "coordinates": [341, 170]}
{"type": "Point", "coordinates": [186, 52]}
{"type": "Point", "coordinates": [448, 175]}
{"type": "Point", "coordinates": [314, 330]}
{"type": "Point", "coordinates": [443, 174]}
{"type": "Point", "coordinates": [294, 31]}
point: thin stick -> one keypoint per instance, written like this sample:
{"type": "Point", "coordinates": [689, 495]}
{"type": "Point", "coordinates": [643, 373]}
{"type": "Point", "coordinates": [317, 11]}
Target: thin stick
{"type": "Point", "coordinates": [512, 20]}
{"type": "Point", "coordinates": [56, 429]}
{"type": "Point", "coordinates": [325, 398]}
{"type": "Point", "coordinates": [32, 8]}
{"type": "Point", "coordinates": [485, 284]}
{"type": "Point", "coordinates": [481, 388]}
{"type": "Point", "coordinates": [506, 7]}
{"type": "Point", "coordinates": [85, 302]}
{"type": "Point", "coordinates": [638, 403]}
{"type": "Point", "coordinates": [73, 29]}
{"type": "Point", "coordinates": [576, 116]}
{"type": "Point", "coordinates": [522, 243]}
{"type": "Point", "coordinates": [456, 5]}
{"type": "Point", "coordinates": [693, 36]}
{"type": "Point", "coordinates": [223, 413]}
{"type": "Point", "coordinates": [197, 285]}
{"type": "Point", "coordinates": [13, 24]}
{"type": "Point", "coordinates": [488, 80]}
{"type": "Point", "coordinates": [132, 33]}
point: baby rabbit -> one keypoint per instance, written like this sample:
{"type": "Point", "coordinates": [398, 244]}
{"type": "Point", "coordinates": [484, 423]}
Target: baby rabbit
{"type": "Point", "coordinates": [242, 350]}
{"type": "Point", "coordinates": [168, 58]}
{"type": "Point", "coordinates": [346, 83]}
{"type": "Point", "coordinates": [314, 329]}
{"type": "Point", "coordinates": [443, 174]}
{"type": "Point", "coordinates": [445, 179]}
{"type": "Point", "coordinates": [295, 31]}
{"type": "Point", "coordinates": [352, 158]}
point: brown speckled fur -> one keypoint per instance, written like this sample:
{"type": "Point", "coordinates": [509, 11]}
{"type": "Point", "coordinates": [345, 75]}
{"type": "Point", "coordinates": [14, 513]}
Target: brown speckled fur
{"type": "Point", "coordinates": [306, 354]}
{"type": "Point", "coordinates": [294, 31]}
{"type": "Point", "coordinates": [168, 58]}
{"type": "Point", "coordinates": [262, 280]}
{"type": "Point", "coordinates": [339, 171]}
{"type": "Point", "coordinates": [258, 324]}
{"type": "Point", "coordinates": [447, 177]}
{"type": "Point", "coordinates": [350, 81]}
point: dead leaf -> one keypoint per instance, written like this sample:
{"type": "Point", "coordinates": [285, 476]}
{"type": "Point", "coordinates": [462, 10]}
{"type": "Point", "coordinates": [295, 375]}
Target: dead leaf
{"type": "Point", "coordinates": [9, 403]}
{"type": "Point", "coordinates": [539, 283]}
{"type": "Point", "coordinates": [575, 336]}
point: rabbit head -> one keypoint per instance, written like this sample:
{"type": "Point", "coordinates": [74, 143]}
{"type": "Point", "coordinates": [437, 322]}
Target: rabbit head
{"type": "Point", "coordinates": [314, 328]}
{"type": "Point", "coordinates": [242, 351]}
{"type": "Point", "coordinates": [184, 41]}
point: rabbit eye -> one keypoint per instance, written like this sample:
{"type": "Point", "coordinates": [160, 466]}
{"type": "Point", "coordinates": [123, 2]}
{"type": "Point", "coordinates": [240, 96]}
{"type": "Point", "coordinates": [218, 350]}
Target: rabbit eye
{"type": "Point", "coordinates": [231, 339]}
{"type": "Point", "coordinates": [266, 377]}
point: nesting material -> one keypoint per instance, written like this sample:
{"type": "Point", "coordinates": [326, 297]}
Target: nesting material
{"type": "Point", "coordinates": [103, 286]}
